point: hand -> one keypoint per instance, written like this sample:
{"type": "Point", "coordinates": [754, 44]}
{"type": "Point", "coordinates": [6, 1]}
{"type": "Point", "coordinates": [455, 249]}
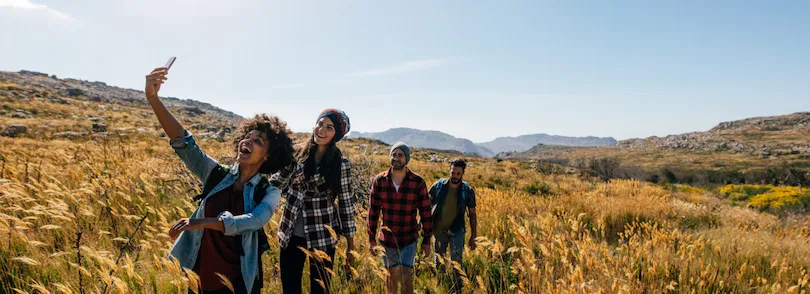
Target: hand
{"type": "Point", "coordinates": [350, 257]}
{"type": "Point", "coordinates": [185, 224]}
{"type": "Point", "coordinates": [178, 227]}
{"type": "Point", "coordinates": [472, 243]}
{"type": "Point", "coordinates": [349, 261]}
{"type": "Point", "coordinates": [349, 249]}
{"type": "Point", "coordinates": [371, 245]}
{"type": "Point", "coordinates": [426, 249]}
{"type": "Point", "coordinates": [153, 82]}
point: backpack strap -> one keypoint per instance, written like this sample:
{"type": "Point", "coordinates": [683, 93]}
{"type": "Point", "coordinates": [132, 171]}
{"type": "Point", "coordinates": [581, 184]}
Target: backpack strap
{"type": "Point", "coordinates": [463, 191]}
{"type": "Point", "coordinates": [439, 186]}
{"type": "Point", "coordinates": [435, 199]}
{"type": "Point", "coordinates": [216, 176]}
{"type": "Point", "coordinates": [259, 192]}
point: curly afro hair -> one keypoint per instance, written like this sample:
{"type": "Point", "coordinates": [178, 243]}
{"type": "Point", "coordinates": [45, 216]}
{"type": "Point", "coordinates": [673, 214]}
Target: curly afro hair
{"type": "Point", "coordinates": [280, 151]}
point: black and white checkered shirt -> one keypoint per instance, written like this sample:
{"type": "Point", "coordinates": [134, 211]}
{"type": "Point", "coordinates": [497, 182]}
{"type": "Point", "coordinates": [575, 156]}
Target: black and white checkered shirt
{"type": "Point", "coordinates": [318, 203]}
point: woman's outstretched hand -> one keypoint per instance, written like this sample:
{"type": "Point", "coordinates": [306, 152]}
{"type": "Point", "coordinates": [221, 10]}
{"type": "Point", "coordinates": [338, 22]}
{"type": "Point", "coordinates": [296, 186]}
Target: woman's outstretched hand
{"type": "Point", "coordinates": [178, 227]}
{"type": "Point", "coordinates": [153, 82]}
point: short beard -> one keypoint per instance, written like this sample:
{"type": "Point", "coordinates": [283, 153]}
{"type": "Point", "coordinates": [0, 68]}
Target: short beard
{"type": "Point", "coordinates": [394, 167]}
{"type": "Point", "coordinates": [455, 181]}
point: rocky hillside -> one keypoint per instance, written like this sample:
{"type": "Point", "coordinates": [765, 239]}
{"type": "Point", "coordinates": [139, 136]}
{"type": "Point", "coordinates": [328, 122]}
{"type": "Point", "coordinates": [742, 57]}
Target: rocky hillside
{"type": "Point", "coordinates": [100, 92]}
{"type": "Point", "coordinates": [754, 149]}
{"type": "Point", "coordinates": [541, 151]}
{"type": "Point", "coordinates": [36, 104]}
{"type": "Point", "coordinates": [759, 136]}
{"type": "Point", "coordinates": [525, 142]}
{"type": "Point", "coordinates": [426, 139]}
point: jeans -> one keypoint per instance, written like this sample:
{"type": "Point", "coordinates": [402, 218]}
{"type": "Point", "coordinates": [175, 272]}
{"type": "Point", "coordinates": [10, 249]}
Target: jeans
{"type": "Point", "coordinates": [454, 240]}
{"type": "Point", "coordinates": [404, 256]}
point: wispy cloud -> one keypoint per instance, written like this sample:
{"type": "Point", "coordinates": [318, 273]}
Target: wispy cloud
{"type": "Point", "coordinates": [289, 86]}
{"type": "Point", "coordinates": [28, 5]}
{"type": "Point", "coordinates": [405, 67]}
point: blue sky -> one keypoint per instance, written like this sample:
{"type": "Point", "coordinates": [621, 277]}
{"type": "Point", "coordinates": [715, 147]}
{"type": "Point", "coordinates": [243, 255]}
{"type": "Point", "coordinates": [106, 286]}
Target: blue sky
{"type": "Point", "coordinates": [473, 69]}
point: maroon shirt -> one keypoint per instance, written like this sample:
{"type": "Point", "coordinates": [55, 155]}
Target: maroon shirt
{"type": "Point", "coordinates": [399, 209]}
{"type": "Point", "coordinates": [219, 253]}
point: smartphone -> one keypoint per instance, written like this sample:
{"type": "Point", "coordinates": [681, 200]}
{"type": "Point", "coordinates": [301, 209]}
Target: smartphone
{"type": "Point", "coordinates": [170, 62]}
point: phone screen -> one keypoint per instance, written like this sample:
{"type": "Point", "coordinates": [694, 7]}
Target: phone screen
{"type": "Point", "coordinates": [170, 62]}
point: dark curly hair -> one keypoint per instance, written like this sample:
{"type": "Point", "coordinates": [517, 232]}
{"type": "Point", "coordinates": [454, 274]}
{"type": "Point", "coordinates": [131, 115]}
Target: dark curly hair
{"type": "Point", "coordinates": [280, 149]}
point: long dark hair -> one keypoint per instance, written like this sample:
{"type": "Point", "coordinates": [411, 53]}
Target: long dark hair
{"type": "Point", "coordinates": [329, 167]}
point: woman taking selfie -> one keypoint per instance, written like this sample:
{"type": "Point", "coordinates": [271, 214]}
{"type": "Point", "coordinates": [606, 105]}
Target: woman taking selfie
{"type": "Point", "coordinates": [320, 179]}
{"type": "Point", "coordinates": [224, 233]}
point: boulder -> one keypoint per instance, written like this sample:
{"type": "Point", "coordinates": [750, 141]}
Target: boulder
{"type": "Point", "coordinates": [98, 128]}
{"type": "Point", "coordinates": [73, 92]}
{"type": "Point", "coordinates": [19, 113]}
{"type": "Point", "coordinates": [219, 136]}
{"type": "Point", "coordinates": [193, 111]}
{"type": "Point", "coordinates": [14, 130]}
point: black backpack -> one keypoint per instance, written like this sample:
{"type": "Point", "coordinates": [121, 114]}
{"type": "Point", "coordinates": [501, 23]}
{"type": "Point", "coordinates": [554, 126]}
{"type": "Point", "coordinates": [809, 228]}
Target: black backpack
{"type": "Point", "coordinates": [259, 192]}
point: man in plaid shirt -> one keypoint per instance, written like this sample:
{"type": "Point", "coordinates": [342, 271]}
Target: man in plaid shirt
{"type": "Point", "coordinates": [397, 194]}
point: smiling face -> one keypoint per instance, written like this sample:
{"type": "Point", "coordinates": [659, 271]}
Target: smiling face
{"type": "Point", "coordinates": [324, 132]}
{"type": "Point", "coordinates": [398, 159]}
{"type": "Point", "coordinates": [252, 149]}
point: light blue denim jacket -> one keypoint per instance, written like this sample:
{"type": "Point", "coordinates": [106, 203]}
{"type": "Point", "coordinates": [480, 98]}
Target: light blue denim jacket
{"type": "Point", "coordinates": [187, 246]}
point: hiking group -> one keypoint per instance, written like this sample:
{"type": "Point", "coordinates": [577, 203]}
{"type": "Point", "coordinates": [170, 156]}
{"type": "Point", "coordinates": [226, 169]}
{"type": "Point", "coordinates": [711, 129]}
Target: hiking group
{"type": "Point", "coordinates": [225, 237]}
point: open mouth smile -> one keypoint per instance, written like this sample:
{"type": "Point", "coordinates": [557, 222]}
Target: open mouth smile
{"type": "Point", "coordinates": [244, 151]}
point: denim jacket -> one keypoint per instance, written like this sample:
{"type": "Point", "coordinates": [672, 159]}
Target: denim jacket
{"type": "Point", "coordinates": [187, 246]}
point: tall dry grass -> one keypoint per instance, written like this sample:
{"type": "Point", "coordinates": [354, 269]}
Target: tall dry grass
{"type": "Point", "coordinates": [617, 237]}
{"type": "Point", "coordinates": [92, 215]}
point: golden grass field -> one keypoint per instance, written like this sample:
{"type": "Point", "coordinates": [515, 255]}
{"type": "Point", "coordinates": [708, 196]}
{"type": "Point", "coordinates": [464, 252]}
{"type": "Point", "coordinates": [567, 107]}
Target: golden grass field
{"type": "Point", "coordinates": [574, 235]}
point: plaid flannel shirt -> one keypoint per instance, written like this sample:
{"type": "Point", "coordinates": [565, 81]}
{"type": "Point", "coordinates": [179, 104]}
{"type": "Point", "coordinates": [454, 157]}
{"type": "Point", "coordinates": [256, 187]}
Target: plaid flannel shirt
{"type": "Point", "coordinates": [399, 209]}
{"type": "Point", "coordinates": [318, 204]}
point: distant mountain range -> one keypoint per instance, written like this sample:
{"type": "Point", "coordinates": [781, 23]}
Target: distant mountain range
{"type": "Point", "coordinates": [525, 142]}
{"type": "Point", "coordinates": [426, 139]}
{"type": "Point", "coordinates": [439, 140]}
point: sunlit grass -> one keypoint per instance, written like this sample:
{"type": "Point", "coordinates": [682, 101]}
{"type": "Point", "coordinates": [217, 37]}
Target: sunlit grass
{"type": "Point", "coordinates": [70, 214]}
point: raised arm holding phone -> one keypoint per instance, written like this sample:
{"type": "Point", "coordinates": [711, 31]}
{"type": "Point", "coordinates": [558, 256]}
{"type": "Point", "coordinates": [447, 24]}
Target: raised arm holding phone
{"type": "Point", "coordinates": [225, 233]}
